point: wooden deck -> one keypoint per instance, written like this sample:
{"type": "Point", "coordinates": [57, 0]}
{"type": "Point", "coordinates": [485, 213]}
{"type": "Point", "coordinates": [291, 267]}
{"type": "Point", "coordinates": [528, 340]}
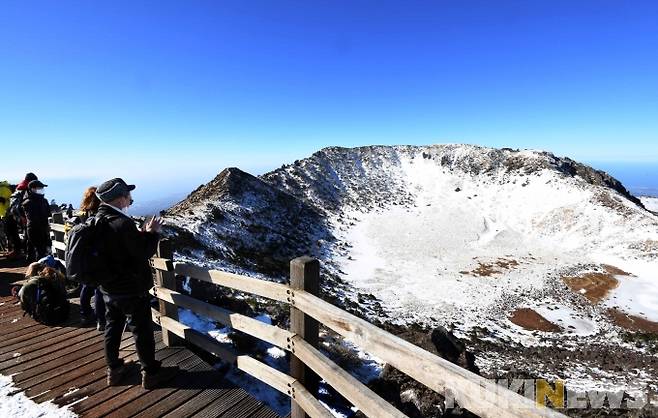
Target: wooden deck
{"type": "Point", "coordinates": [65, 364]}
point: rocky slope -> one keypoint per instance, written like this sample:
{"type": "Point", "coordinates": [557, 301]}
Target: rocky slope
{"type": "Point", "coordinates": [238, 219]}
{"type": "Point", "coordinates": [541, 265]}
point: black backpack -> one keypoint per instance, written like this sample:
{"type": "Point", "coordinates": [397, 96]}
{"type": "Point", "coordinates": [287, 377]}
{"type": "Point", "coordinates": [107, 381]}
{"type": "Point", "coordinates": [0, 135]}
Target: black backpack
{"type": "Point", "coordinates": [85, 262]}
{"type": "Point", "coordinates": [15, 209]}
{"type": "Point", "coordinates": [45, 301]}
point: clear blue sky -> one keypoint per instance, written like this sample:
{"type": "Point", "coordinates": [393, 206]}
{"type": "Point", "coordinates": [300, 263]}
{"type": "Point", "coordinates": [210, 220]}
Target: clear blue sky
{"type": "Point", "coordinates": [172, 92]}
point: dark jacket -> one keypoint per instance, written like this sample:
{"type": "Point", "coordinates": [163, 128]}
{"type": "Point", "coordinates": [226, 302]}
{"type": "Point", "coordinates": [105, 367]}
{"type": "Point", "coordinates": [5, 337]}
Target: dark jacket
{"type": "Point", "coordinates": [127, 252]}
{"type": "Point", "coordinates": [37, 212]}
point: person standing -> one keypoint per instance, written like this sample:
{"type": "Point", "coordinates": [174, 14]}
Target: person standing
{"type": "Point", "coordinates": [17, 212]}
{"type": "Point", "coordinates": [5, 195]}
{"type": "Point", "coordinates": [88, 209]}
{"type": "Point", "coordinates": [37, 211]}
{"type": "Point", "coordinates": [126, 251]}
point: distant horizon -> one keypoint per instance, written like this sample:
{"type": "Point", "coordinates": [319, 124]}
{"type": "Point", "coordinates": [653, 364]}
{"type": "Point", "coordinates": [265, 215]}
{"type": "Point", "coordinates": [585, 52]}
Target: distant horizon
{"type": "Point", "coordinates": [640, 178]}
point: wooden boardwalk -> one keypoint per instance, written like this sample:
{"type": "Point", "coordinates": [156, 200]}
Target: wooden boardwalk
{"type": "Point", "coordinates": [65, 364]}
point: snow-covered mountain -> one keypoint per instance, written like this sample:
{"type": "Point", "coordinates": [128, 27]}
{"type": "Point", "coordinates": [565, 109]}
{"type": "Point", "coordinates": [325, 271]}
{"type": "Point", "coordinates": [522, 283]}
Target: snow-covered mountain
{"type": "Point", "coordinates": [527, 256]}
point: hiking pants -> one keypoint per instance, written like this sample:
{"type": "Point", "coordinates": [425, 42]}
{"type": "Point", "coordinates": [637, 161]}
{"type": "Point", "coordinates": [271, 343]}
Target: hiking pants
{"type": "Point", "coordinates": [37, 244]}
{"type": "Point", "coordinates": [85, 302]}
{"type": "Point", "coordinates": [135, 310]}
{"type": "Point", "coordinates": [11, 230]}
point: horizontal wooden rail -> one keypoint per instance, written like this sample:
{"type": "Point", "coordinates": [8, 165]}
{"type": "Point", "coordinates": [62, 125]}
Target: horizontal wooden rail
{"type": "Point", "coordinates": [59, 245]}
{"type": "Point", "coordinates": [284, 384]}
{"type": "Point", "coordinates": [270, 290]}
{"type": "Point", "coordinates": [471, 391]}
{"type": "Point", "coordinates": [356, 392]}
{"type": "Point", "coordinates": [57, 227]}
{"type": "Point", "coordinates": [278, 380]}
{"type": "Point", "coordinates": [194, 337]}
{"type": "Point", "coordinates": [271, 334]}
{"type": "Point", "coordinates": [261, 371]}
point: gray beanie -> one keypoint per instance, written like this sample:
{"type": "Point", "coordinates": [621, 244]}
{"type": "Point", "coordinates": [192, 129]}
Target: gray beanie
{"type": "Point", "coordinates": [111, 189]}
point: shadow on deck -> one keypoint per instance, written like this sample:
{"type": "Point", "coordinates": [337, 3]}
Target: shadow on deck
{"type": "Point", "coordinates": [65, 364]}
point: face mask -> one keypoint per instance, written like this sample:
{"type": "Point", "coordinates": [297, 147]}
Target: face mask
{"type": "Point", "coordinates": [39, 191]}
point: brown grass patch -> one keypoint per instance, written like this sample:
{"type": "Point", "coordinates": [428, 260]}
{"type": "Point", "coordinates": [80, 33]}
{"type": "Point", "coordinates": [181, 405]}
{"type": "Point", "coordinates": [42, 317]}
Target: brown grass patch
{"type": "Point", "coordinates": [632, 322]}
{"type": "Point", "coordinates": [594, 286]}
{"type": "Point", "coordinates": [487, 269]}
{"type": "Point", "coordinates": [529, 319]}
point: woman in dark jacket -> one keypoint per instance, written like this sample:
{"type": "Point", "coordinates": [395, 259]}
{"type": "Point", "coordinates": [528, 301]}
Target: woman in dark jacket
{"type": "Point", "coordinates": [89, 208]}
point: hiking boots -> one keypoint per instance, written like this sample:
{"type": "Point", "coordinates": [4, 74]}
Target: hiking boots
{"type": "Point", "coordinates": [115, 375]}
{"type": "Point", "coordinates": [161, 375]}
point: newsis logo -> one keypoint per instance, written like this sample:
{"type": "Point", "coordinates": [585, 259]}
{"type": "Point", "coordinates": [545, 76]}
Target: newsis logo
{"type": "Point", "coordinates": [543, 394]}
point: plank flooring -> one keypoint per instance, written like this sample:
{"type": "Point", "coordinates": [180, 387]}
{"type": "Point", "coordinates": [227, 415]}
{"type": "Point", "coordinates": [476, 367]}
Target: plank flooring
{"type": "Point", "coordinates": [65, 364]}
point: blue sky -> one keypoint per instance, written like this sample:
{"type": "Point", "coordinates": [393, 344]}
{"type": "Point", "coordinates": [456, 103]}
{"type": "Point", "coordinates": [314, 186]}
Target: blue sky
{"type": "Point", "coordinates": [168, 93]}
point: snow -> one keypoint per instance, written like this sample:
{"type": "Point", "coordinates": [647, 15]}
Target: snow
{"type": "Point", "coordinates": [204, 325]}
{"type": "Point", "coordinates": [19, 406]}
{"type": "Point", "coordinates": [636, 294]}
{"type": "Point", "coordinates": [334, 412]}
{"type": "Point", "coordinates": [572, 321]}
{"type": "Point", "coordinates": [416, 258]}
{"type": "Point", "coordinates": [186, 285]}
{"type": "Point", "coordinates": [276, 352]}
{"type": "Point", "coordinates": [650, 202]}
{"type": "Point", "coordinates": [411, 257]}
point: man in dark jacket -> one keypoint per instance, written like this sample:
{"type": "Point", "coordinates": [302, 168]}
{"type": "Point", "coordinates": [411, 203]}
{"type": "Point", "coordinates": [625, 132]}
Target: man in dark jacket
{"type": "Point", "coordinates": [127, 251]}
{"type": "Point", "coordinates": [37, 212]}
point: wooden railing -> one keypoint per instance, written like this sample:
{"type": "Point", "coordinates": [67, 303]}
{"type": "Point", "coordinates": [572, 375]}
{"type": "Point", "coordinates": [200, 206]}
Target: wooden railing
{"type": "Point", "coordinates": [307, 310]}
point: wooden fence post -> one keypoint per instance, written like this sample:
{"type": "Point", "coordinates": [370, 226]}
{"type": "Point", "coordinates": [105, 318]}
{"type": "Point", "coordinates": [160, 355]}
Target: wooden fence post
{"type": "Point", "coordinates": [57, 218]}
{"type": "Point", "coordinates": [167, 279]}
{"type": "Point", "coordinates": [304, 275]}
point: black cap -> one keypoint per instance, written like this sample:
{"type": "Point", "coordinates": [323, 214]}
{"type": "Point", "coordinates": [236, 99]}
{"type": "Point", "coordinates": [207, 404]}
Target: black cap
{"type": "Point", "coordinates": [111, 189]}
{"type": "Point", "coordinates": [31, 176]}
{"type": "Point", "coordinates": [36, 184]}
